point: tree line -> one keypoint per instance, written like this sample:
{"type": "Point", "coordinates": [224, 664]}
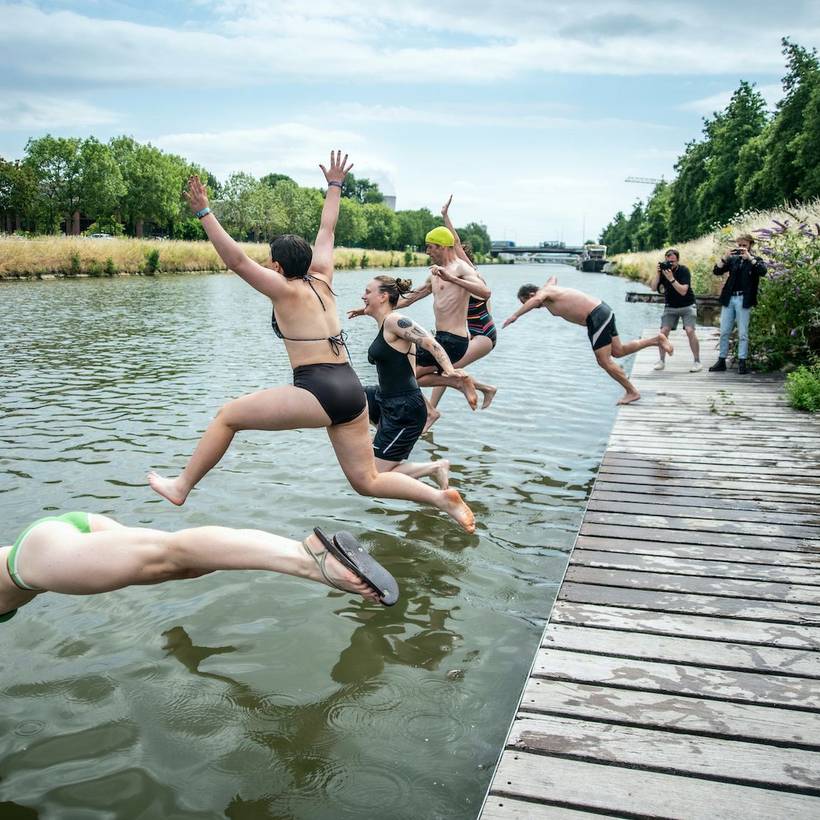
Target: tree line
{"type": "Point", "coordinates": [124, 187]}
{"type": "Point", "coordinates": [746, 160]}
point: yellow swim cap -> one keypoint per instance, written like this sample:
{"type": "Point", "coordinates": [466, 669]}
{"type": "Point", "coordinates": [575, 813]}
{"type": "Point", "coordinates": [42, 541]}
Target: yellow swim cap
{"type": "Point", "coordinates": [440, 236]}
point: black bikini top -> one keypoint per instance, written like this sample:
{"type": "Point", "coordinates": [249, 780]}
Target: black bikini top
{"type": "Point", "coordinates": [336, 342]}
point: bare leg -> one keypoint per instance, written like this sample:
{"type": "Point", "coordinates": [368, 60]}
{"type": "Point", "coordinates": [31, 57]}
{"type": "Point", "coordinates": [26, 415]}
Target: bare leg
{"type": "Point", "coordinates": [694, 344]}
{"type": "Point", "coordinates": [461, 381]}
{"type": "Point", "coordinates": [620, 348]}
{"type": "Point", "coordinates": [59, 559]}
{"type": "Point", "coordinates": [439, 470]}
{"type": "Point", "coordinates": [613, 369]}
{"type": "Point", "coordinates": [478, 348]}
{"type": "Point", "coordinates": [354, 450]}
{"type": "Point", "coordinates": [278, 408]}
{"type": "Point", "coordinates": [665, 331]}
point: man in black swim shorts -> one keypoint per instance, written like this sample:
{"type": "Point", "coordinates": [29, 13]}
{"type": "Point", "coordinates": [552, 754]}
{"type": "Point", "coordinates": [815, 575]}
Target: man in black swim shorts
{"type": "Point", "coordinates": [583, 309]}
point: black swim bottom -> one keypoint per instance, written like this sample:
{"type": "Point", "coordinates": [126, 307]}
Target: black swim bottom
{"type": "Point", "coordinates": [336, 386]}
{"type": "Point", "coordinates": [601, 326]}
{"type": "Point", "coordinates": [454, 346]}
{"type": "Point", "coordinates": [399, 420]}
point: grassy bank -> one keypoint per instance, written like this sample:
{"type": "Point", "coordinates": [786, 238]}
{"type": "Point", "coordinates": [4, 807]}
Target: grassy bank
{"type": "Point", "coordinates": [80, 256]}
{"type": "Point", "coordinates": [700, 255]}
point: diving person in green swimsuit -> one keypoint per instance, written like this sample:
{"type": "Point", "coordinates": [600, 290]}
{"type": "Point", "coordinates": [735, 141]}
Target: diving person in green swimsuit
{"type": "Point", "coordinates": [81, 553]}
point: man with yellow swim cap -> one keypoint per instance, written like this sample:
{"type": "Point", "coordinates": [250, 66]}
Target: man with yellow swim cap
{"type": "Point", "coordinates": [452, 281]}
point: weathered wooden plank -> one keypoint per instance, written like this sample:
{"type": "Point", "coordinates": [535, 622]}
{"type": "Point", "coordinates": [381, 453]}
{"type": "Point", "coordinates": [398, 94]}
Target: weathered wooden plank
{"type": "Point", "coordinates": [692, 536]}
{"type": "Point", "coordinates": [697, 474]}
{"type": "Point", "coordinates": [705, 552]}
{"type": "Point", "coordinates": [627, 504]}
{"type": "Point", "coordinates": [785, 487]}
{"type": "Point", "coordinates": [682, 489]}
{"type": "Point", "coordinates": [728, 587]}
{"type": "Point", "coordinates": [716, 629]}
{"type": "Point", "coordinates": [672, 712]}
{"type": "Point", "coordinates": [801, 663]}
{"type": "Point", "coordinates": [620, 790]}
{"type": "Point", "coordinates": [509, 808]}
{"type": "Point", "coordinates": [687, 566]}
{"type": "Point", "coordinates": [739, 761]}
{"type": "Point", "coordinates": [757, 610]}
{"type": "Point", "coordinates": [654, 676]}
{"type": "Point", "coordinates": [678, 522]}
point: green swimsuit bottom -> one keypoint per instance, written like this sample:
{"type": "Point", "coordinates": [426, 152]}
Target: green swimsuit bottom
{"type": "Point", "coordinates": [78, 520]}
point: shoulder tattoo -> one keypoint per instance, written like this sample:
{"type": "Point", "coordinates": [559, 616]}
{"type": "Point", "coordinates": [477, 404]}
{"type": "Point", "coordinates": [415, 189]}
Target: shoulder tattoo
{"type": "Point", "coordinates": [404, 322]}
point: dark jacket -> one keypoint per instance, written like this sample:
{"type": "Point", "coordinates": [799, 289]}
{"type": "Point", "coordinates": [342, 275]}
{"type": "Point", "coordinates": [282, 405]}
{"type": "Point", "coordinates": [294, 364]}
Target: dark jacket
{"type": "Point", "coordinates": [744, 274]}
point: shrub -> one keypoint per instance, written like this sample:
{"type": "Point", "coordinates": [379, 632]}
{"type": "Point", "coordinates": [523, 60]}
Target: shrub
{"type": "Point", "coordinates": [152, 261]}
{"type": "Point", "coordinates": [785, 325]}
{"type": "Point", "coordinates": [75, 266]}
{"type": "Point", "coordinates": [408, 258]}
{"type": "Point", "coordinates": [365, 261]}
{"type": "Point", "coordinates": [95, 268]}
{"type": "Point", "coordinates": [110, 267]}
{"type": "Point", "coordinates": [803, 388]}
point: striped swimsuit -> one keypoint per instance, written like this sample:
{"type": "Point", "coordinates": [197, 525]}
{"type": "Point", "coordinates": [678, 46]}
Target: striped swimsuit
{"type": "Point", "coordinates": [479, 320]}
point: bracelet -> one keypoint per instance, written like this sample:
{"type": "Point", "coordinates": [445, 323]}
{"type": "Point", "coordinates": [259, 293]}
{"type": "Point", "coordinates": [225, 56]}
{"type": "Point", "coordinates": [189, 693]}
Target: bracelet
{"type": "Point", "coordinates": [334, 183]}
{"type": "Point", "coordinates": [204, 212]}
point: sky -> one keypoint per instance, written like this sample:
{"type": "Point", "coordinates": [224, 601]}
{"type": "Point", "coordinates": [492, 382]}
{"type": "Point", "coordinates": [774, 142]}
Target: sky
{"type": "Point", "coordinates": [532, 114]}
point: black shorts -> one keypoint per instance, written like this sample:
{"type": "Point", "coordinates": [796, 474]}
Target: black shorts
{"type": "Point", "coordinates": [336, 386]}
{"type": "Point", "coordinates": [454, 346]}
{"type": "Point", "coordinates": [601, 326]}
{"type": "Point", "coordinates": [399, 420]}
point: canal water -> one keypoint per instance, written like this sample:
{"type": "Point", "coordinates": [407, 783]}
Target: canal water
{"type": "Point", "coordinates": [251, 695]}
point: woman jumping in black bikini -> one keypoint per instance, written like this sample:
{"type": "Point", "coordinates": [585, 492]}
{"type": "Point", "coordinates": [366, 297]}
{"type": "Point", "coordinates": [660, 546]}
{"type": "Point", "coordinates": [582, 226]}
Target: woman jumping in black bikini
{"type": "Point", "coordinates": [326, 391]}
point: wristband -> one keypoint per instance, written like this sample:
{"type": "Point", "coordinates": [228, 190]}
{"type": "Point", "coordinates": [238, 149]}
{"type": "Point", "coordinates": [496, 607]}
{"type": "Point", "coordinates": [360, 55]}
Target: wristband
{"type": "Point", "coordinates": [204, 212]}
{"type": "Point", "coordinates": [334, 183]}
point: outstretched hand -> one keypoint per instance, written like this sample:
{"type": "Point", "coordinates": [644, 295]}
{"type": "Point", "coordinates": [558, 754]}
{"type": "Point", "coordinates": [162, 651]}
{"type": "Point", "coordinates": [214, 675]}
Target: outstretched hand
{"type": "Point", "coordinates": [355, 313]}
{"type": "Point", "coordinates": [446, 206]}
{"type": "Point", "coordinates": [509, 320]}
{"type": "Point", "coordinates": [196, 195]}
{"type": "Point", "coordinates": [338, 167]}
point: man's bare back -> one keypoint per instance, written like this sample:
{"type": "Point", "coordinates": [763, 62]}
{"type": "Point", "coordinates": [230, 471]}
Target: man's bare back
{"type": "Point", "coordinates": [567, 303]}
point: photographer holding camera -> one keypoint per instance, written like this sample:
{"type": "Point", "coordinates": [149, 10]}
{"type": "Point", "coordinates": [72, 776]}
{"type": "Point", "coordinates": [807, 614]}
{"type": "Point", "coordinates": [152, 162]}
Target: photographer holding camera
{"type": "Point", "coordinates": [738, 297]}
{"type": "Point", "coordinates": [675, 282]}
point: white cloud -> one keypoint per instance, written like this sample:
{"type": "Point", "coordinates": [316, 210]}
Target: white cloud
{"type": "Point", "coordinates": [32, 111]}
{"type": "Point", "coordinates": [772, 93]}
{"type": "Point", "coordinates": [254, 43]}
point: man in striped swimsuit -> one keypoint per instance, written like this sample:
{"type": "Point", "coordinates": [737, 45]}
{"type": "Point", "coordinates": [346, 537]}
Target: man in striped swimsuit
{"type": "Point", "coordinates": [582, 309]}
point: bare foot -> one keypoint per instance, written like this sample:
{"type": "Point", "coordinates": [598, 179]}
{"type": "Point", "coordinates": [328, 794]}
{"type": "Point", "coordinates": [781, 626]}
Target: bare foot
{"type": "Point", "coordinates": [453, 504]}
{"type": "Point", "coordinates": [441, 473]}
{"type": "Point", "coordinates": [666, 345]}
{"type": "Point", "coordinates": [489, 394]}
{"type": "Point", "coordinates": [467, 387]}
{"type": "Point", "coordinates": [629, 397]}
{"type": "Point", "coordinates": [433, 416]}
{"type": "Point", "coordinates": [169, 488]}
{"type": "Point", "coordinates": [338, 574]}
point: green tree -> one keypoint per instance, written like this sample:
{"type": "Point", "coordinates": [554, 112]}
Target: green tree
{"type": "Point", "coordinates": [272, 180]}
{"type": "Point", "coordinates": [351, 227]}
{"type": "Point", "coordinates": [56, 163]}
{"type": "Point", "coordinates": [101, 185]}
{"type": "Point", "coordinates": [615, 235]}
{"type": "Point", "coordinates": [477, 235]}
{"type": "Point", "coordinates": [727, 132]}
{"type": "Point", "coordinates": [807, 146]}
{"type": "Point", "coordinates": [362, 190]}
{"type": "Point", "coordinates": [382, 227]}
{"type": "Point", "coordinates": [684, 220]}
{"type": "Point", "coordinates": [18, 195]}
{"type": "Point", "coordinates": [654, 230]}
{"type": "Point", "coordinates": [413, 226]}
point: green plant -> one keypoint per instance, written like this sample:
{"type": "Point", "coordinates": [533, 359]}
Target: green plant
{"type": "Point", "coordinates": [803, 388]}
{"type": "Point", "coordinates": [95, 268]}
{"type": "Point", "coordinates": [408, 258]}
{"type": "Point", "coordinates": [785, 325]}
{"type": "Point", "coordinates": [365, 261]}
{"type": "Point", "coordinates": [110, 268]}
{"type": "Point", "coordinates": [75, 266]}
{"type": "Point", "coordinates": [152, 261]}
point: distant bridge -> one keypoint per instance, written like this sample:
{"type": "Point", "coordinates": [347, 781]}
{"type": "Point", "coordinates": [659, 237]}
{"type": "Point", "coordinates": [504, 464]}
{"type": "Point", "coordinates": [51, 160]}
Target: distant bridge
{"type": "Point", "coordinates": [550, 250]}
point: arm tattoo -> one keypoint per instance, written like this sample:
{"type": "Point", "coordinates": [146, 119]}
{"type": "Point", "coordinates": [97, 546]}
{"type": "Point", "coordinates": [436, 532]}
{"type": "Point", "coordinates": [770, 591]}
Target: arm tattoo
{"type": "Point", "coordinates": [404, 322]}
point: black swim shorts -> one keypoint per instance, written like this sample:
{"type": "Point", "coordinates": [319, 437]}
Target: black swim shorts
{"type": "Point", "coordinates": [399, 420]}
{"type": "Point", "coordinates": [454, 346]}
{"type": "Point", "coordinates": [601, 326]}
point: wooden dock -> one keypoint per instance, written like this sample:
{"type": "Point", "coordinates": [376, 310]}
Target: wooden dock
{"type": "Point", "coordinates": [679, 674]}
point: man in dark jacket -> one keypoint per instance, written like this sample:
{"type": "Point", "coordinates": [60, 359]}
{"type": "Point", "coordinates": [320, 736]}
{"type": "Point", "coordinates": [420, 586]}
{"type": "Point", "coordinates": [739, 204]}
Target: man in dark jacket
{"type": "Point", "coordinates": [738, 297]}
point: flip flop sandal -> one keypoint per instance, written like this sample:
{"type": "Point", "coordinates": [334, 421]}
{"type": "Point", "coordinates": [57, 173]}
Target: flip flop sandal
{"type": "Point", "coordinates": [347, 550]}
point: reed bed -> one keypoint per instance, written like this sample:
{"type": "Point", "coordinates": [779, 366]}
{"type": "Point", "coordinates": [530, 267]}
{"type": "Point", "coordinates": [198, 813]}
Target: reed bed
{"type": "Point", "coordinates": [23, 257]}
{"type": "Point", "coordinates": [700, 254]}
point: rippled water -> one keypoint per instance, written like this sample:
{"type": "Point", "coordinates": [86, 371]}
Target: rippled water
{"type": "Point", "coordinates": [251, 695]}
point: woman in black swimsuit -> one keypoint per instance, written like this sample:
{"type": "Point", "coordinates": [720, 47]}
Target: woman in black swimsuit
{"type": "Point", "coordinates": [396, 406]}
{"type": "Point", "coordinates": [326, 391]}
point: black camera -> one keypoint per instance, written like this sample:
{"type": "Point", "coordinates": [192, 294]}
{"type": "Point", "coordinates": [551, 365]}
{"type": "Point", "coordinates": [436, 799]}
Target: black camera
{"type": "Point", "coordinates": [665, 265]}
{"type": "Point", "coordinates": [737, 251]}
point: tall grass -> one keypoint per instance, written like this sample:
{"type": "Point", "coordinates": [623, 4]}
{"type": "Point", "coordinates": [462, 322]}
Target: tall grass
{"type": "Point", "coordinates": [80, 256]}
{"type": "Point", "coordinates": [700, 254]}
